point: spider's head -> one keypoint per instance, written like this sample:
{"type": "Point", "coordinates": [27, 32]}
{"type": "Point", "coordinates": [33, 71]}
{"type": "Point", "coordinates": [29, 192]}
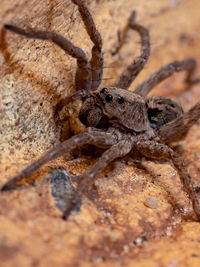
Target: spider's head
{"type": "Point", "coordinates": [123, 106]}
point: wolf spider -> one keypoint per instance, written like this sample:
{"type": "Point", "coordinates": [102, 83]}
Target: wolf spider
{"type": "Point", "coordinates": [116, 119]}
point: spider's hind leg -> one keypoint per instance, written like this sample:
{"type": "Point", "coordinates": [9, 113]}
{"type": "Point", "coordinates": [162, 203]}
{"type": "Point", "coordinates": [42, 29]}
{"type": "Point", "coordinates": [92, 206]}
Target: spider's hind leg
{"type": "Point", "coordinates": [156, 150]}
{"type": "Point", "coordinates": [178, 128]}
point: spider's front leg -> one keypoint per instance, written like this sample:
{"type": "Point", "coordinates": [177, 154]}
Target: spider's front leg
{"type": "Point", "coordinates": [88, 74]}
{"type": "Point", "coordinates": [118, 150]}
{"type": "Point", "coordinates": [97, 56]}
{"type": "Point", "coordinates": [89, 136]}
{"type": "Point", "coordinates": [131, 72]}
{"type": "Point", "coordinates": [165, 72]}
{"type": "Point", "coordinates": [83, 78]}
{"type": "Point", "coordinates": [83, 66]}
{"type": "Point", "coordinates": [155, 150]}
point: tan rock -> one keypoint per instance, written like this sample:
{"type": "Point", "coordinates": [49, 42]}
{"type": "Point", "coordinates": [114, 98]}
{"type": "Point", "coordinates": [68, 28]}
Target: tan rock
{"type": "Point", "coordinates": [114, 227]}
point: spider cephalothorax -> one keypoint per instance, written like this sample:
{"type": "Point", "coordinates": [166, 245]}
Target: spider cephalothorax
{"type": "Point", "coordinates": [118, 120]}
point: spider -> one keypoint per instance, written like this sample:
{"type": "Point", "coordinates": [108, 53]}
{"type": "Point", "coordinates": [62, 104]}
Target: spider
{"type": "Point", "coordinates": [118, 120]}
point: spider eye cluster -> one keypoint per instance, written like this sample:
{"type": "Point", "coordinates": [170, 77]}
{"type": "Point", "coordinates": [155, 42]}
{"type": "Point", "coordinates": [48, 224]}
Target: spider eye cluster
{"type": "Point", "coordinates": [109, 97]}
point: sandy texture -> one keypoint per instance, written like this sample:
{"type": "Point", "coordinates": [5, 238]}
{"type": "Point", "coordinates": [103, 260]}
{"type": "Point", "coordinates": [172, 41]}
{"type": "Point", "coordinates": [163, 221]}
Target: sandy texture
{"type": "Point", "coordinates": [127, 218]}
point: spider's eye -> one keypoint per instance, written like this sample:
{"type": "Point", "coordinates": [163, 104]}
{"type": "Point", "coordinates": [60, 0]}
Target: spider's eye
{"type": "Point", "coordinates": [103, 90]}
{"type": "Point", "coordinates": [172, 105]}
{"type": "Point", "coordinates": [109, 98]}
{"type": "Point", "coordinates": [120, 100]}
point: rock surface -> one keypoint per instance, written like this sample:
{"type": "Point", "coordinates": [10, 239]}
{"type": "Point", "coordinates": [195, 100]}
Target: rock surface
{"type": "Point", "coordinates": [115, 226]}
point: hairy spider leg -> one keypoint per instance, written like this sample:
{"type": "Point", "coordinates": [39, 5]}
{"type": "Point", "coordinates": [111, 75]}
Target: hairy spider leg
{"type": "Point", "coordinates": [69, 99]}
{"type": "Point", "coordinates": [97, 56]}
{"type": "Point", "coordinates": [178, 128]}
{"type": "Point", "coordinates": [164, 72]}
{"type": "Point", "coordinates": [120, 149]}
{"type": "Point", "coordinates": [89, 136]}
{"type": "Point", "coordinates": [83, 70]}
{"type": "Point", "coordinates": [154, 150]}
{"type": "Point", "coordinates": [131, 72]}
{"type": "Point", "coordinates": [88, 74]}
